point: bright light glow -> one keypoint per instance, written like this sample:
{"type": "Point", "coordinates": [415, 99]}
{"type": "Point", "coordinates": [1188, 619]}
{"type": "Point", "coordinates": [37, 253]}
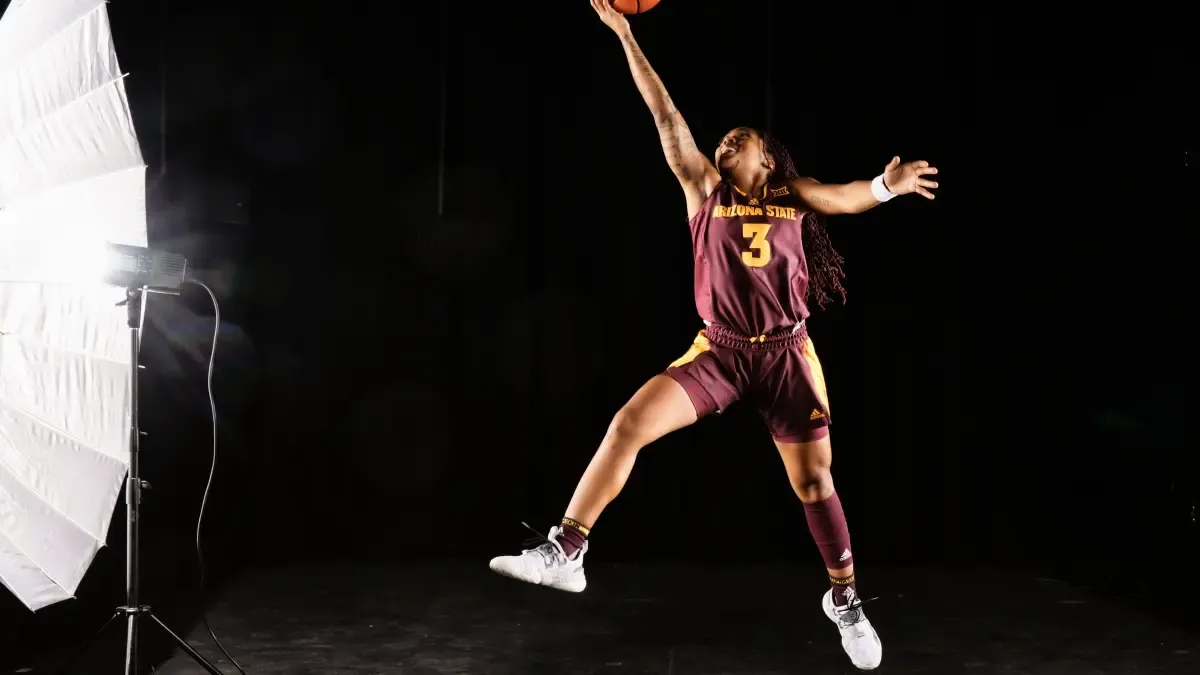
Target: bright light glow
{"type": "Point", "coordinates": [79, 260]}
{"type": "Point", "coordinates": [71, 179]}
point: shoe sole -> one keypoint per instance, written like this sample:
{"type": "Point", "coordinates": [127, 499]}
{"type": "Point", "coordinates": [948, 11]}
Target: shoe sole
{"type": "Point", "coordinates": [565, 589]}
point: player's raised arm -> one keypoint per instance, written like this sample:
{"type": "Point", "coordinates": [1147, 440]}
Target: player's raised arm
{"type": "Point", "coordinates": [897, 179]}
{"type": "Point", "coordinates": [695, 172]}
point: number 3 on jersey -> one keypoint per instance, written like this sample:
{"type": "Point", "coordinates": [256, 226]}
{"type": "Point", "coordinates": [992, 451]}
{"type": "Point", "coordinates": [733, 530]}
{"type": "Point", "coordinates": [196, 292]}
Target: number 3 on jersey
{"type": "Point", "coordinates": [760, 249]}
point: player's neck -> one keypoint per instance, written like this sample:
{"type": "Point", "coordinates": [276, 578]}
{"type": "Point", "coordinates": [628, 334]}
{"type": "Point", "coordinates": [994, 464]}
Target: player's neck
{"type": "Point", "coordinates": [749, 182]}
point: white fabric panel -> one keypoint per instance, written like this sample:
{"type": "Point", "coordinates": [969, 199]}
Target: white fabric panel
{"type": "Point", "coordinates": [70, 476]}
{"type": "Point", "coordinates": [58, 235]}
{"type": "Point", "coordinates": [71, 178]}
{"type": "Point", "coordinates": [65, 115]}
{"type": "Point", "coordinates": [26, 580]}
{"type": "Point", "coordinates": [27, 24]}
{"type": "Point", "coordinates": [77, 395]}
{"type": "Point", "coordinates": [57, 150]}
{"type": "Point", "coordinates": [49, 539]}
{"type": "Point", "coordinates": [82, 320]}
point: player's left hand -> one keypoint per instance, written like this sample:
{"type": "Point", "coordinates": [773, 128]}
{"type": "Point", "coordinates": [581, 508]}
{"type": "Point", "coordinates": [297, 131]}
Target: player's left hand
{"type": "Point", "coordinates": [903, 179]}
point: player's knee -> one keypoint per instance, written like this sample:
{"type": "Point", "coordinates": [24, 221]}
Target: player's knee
{"type": "Point", "coordinates": [812, 484]}
{"type": "Point", "coordinates": [629, 428]}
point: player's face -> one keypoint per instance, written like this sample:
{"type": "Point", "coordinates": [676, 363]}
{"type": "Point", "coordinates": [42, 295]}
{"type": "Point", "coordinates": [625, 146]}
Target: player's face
{"type": "Point", "coordinates": [740, 147]}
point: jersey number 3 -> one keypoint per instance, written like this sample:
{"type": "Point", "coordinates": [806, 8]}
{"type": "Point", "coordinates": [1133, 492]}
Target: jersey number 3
{"type": "Point", "coordinates": [760, 249]}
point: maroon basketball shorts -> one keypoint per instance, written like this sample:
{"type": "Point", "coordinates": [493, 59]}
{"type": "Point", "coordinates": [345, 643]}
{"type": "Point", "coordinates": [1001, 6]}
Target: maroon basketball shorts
{"type": "Point", "coordinates": [779, 374]}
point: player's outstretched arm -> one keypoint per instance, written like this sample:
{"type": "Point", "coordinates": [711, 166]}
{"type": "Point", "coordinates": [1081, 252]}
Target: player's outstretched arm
{"type": "Point", "coordinates": [897, 179]}
{"type": "Point", "coordinates": [695, 172]}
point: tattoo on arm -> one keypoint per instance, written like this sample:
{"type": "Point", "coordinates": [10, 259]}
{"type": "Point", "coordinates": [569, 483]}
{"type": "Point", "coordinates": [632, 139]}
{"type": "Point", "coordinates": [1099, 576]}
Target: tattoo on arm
{"type": "Point", "coordinates": [641, 62]}
{"type": "Point", "coordinates": [820, 201]}
{"type": "Point", "coordinates": [678, 144]}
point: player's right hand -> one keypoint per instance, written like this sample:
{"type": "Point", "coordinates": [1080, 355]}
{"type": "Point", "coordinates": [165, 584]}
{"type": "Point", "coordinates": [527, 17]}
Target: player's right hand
{"type": "Point", "coordinates": [611, 17]}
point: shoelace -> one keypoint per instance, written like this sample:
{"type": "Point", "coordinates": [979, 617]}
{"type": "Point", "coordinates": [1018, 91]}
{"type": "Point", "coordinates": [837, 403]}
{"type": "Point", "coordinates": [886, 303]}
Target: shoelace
{"type": "Point", "coordinates": [545, 546]}
{"type": "Point", "coordinates": [852, 615]}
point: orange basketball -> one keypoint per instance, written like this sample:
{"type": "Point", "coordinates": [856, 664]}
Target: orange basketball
{"type": "Point", "coordinates": [634, 6]}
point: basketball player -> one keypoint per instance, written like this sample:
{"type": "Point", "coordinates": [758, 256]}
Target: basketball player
{"type": "Point", "coordinates": [760, 255]}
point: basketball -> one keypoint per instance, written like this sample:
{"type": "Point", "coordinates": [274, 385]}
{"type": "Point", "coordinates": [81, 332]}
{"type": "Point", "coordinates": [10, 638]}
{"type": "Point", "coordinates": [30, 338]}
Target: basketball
{"type": "Point", "coordinates": [634, 6]}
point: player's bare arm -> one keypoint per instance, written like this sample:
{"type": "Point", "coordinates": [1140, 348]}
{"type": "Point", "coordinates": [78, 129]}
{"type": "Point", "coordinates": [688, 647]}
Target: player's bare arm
{"type": "Point", "coordinates": [859, 196]}
{"type": "Point", "coordinates": [695, 172]}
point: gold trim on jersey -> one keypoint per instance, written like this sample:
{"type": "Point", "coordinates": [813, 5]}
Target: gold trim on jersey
{"type": "Point", "coordinates": [753, 200]}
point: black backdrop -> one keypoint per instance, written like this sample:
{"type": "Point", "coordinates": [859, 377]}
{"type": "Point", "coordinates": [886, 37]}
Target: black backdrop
{"type": "Point", "coordinates": [398, 384]}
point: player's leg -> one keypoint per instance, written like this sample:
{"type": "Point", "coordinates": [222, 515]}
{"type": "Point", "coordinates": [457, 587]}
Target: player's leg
{"type": "Point", "coordinates": [798, 417]}
{"type": "Point", "coordinates": [661, 406]}
{"type": "Point", "coordinates": [700, 382]}
{"type": "Point", "coordinates": [658, 408]}
{"type": "Point", "coordinates": [808, 466]}
{"type": "Point", "coordinates": [695, 385]}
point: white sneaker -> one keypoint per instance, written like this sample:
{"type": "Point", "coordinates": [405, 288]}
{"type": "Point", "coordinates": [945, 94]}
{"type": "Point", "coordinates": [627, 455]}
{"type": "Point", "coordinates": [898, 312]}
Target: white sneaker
{"type": "Point", "coordinates": [546, 565]}
{"type": "Point", "coordinates": [859, 638]}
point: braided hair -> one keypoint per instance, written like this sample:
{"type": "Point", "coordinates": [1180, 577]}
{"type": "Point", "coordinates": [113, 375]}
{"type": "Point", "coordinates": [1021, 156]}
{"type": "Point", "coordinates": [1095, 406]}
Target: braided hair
{"type": "Point", "coordinates": [825, 272]}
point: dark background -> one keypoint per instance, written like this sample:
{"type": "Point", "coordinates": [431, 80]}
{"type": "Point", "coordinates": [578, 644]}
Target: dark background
{"type": "Point", "coordinates": [1009, 373]}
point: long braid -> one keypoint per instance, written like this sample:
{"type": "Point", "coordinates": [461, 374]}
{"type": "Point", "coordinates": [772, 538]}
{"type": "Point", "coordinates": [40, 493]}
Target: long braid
{"type": "Point", "coordinates": [825, 272]}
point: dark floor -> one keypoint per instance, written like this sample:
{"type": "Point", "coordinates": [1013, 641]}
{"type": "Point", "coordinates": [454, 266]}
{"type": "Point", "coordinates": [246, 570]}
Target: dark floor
{"type": "Point", "coordinates": [673, 620]}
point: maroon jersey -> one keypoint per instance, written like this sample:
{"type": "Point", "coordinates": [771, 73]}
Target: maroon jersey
{"type": "Point", "coordinates": [751, 274]}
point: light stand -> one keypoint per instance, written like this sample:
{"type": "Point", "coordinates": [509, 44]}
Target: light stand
{"type": "Point", "coordinates": [141, 266]}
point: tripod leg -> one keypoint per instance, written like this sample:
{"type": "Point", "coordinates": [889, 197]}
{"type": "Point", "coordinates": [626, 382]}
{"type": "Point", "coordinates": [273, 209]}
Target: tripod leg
{"type": "Point", "coordinates": [200, 660]}
{"type": "Point", "coordinates": [131, 647]}
{"type": "Point", "coordinates": [85, 647]}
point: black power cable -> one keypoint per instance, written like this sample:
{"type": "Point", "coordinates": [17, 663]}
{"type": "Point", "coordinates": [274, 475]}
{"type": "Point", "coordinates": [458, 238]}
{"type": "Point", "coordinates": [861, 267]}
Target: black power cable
{"type": "Point", "coordinates": [204, 501]}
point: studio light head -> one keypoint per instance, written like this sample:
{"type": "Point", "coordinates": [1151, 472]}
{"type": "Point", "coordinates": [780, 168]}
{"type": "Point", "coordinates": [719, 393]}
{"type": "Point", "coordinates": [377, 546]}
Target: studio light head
{"type": "Point", "coordinates": [136, 266]}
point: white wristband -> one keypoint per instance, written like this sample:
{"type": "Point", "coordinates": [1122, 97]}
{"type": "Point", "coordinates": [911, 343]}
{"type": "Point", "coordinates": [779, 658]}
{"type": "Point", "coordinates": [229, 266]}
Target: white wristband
{"type": "Point", "coordinates": [880, 192]}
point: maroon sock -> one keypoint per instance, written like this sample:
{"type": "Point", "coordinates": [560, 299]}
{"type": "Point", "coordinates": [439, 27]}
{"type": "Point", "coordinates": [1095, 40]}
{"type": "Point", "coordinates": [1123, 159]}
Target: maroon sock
{"type": "Point", "coordinates": [827, 522]}
{"type": "Point", "coordinates": [574, 535]}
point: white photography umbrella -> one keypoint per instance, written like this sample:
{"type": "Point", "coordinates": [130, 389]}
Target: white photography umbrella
{"type": "Point", "coordinates": [71, 179]}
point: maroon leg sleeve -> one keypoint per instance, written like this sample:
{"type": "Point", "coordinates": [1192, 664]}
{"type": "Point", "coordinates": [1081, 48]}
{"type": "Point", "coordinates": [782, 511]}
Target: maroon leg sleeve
{"type": "Point", "coordinates": [827, 522]}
